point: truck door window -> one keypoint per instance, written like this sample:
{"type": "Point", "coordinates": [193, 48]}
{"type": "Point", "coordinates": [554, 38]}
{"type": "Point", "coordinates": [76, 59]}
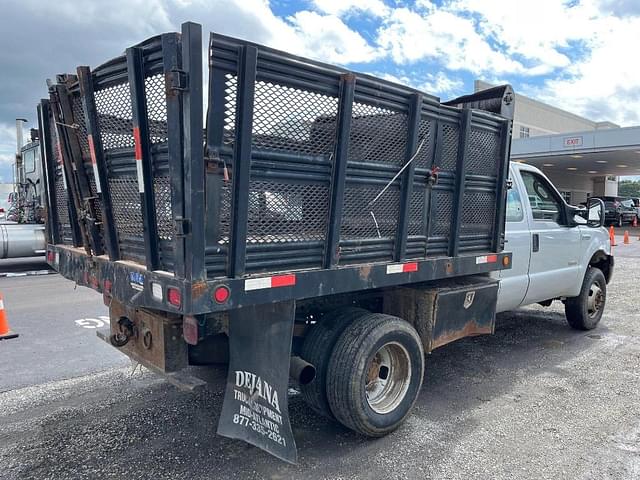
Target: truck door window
{"type": "Point", "coordinates": [515, 213]}
{"type": "Point", "coordinates": [29, 160]}
{"type": "Point", "coordinates": [544, 204]}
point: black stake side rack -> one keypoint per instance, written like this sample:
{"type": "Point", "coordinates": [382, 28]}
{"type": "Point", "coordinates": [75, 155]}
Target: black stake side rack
{"type": "Point", "coordinates": [299, 180]}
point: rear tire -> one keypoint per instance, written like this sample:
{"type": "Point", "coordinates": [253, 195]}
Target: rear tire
{"type": "Point", "coordinates": [375, 374]}
{"type": "Point", "coordinates": [317, 348]}
{"type": "Point", "coordinates": [585, 311]}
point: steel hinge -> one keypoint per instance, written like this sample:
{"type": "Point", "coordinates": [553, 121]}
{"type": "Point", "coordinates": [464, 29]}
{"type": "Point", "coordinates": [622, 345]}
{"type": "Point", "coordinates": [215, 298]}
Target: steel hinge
{"type": "Point", "coordinates": [183, 226]}
{"type": "Point", "coordinates": [179, 80]}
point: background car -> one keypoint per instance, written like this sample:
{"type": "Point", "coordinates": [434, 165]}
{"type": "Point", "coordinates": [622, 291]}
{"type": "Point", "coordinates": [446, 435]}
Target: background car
{"type": "Point", "coordinates": [636, 203]}
{"type": "Point", "coordinates": [619, 212]}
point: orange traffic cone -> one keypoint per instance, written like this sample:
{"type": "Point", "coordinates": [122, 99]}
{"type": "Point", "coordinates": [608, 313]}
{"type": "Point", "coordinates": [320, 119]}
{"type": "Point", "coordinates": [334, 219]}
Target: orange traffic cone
{"type": "Point", "coordinates": [5, 331]}
{"type": "Point", "coordinates": [612, 236]}
{"type": "Point", "coordinates": [626, 237]}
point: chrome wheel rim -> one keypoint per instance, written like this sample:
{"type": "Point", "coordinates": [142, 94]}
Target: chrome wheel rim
{"type": "Point", "coordinates": [595, 300]}
{"type": "Point", "coordinates": [388, 378]}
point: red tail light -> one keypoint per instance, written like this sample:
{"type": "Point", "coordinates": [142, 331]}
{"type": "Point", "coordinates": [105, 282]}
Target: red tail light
{"type": "Point", "coordinates": [174, 296]}
{"type": "Point", "coordinates": [221, 294]}
{"type": "Point", "coordinates": [51, 256]}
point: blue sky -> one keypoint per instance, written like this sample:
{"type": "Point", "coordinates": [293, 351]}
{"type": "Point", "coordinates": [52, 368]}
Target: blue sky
{"type": "Point", "coordinates": [579, 54]}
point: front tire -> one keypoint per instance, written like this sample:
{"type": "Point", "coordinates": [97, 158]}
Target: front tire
{"type": "Point", "coordinates": [375, 374]}
{"type": "Point", "coordinates": [585, 311]}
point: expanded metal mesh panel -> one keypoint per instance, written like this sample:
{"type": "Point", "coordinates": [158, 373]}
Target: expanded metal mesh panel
{"type": "Point", "coordinates": [292, 167]}
{"type": "Point", "coordinates": [230, 94]}
{"type": "Point", "coordinates": [125, 200]}
{"type": "Point", "coordinates": [425, 143]}
{"type": "Point", "coordinates": [164, 214]}
{"type": "Point", "coordinates": [449, 154]}
{"type": "Point", "coordinates": [286, 212]}
{"type": "Point", "coordinates": [441, 212]}
{"type": "Point", "coordinates": [416, 211]}
{"type": "Point", "coordinates": [156, 108]}
{"type": "Point", "coordinates": [61, 201]}
{"type": "Point", "coordinates": [114, 116]}
{"type": "Point", "coordinates": [478, 213]}
{"type": "Point", "coordinates": [361, 220]}
{"type": "Point", "coordinates": [224, 219]}
{"type": "Point", "coordinates": [483, 152]}
{"type": "Point", "coordinates": [284, 119]}
{"type": "Point", "coordinates": [377, 135]}
{"type": "Point", "coordinates": [79, 120]}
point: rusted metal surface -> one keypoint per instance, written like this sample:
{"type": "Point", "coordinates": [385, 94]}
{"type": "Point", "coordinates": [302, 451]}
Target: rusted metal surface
{"type": "Point", "coordinates": [470, 329]}
{"type": "Point", "coordinates": [156, 340]}
{"type": "Point", "coordinates": [446, 313]}
{"type": "Point", "coordinates": [198, 289]}
{"type": "Point", "coordinates": [365, 272]}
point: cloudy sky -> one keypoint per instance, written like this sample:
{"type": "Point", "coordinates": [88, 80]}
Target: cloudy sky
{"type": "Point", "coordinates": [577, 54]}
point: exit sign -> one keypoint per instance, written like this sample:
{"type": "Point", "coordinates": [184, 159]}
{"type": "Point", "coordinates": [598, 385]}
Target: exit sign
{"type": "Point", "coordinates": [572, 141]}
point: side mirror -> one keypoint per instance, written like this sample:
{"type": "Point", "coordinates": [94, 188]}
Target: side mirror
{"type": "Point", "coordinates": [592, 215]}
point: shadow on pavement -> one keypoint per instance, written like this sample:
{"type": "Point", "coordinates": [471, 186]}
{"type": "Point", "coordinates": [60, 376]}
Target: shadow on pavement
{"type": "Point", "coordinates": [23, 264]}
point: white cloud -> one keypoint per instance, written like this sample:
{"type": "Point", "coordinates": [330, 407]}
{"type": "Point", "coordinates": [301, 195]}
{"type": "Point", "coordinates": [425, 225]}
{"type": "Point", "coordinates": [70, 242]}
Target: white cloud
{"type": "Point", "coordinates": [582, 50]}
{"type": "Point", "coordinates": [7, 139]}
{"type": "Point", "coordinates": [534, 31]}
{"type": "Point", "coordinates": [441, 84]}
{"type": "Point", "coordinates": [308, 33]}
{"type": "Point", "coordinates": [442, 36]}
{"type": "Point", "coordinates": [605, 85]}
{"type": "Point", "coordinates": [433, 84]}
{"type": "Point", "coordinates": [340, 7]}
{"type": "Point", "coordinates": [6, 159]}
{"type": "Point", "coordinates": [328, 38]}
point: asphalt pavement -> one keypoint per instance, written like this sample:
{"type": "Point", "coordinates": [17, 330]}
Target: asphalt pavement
{"type": "Point", "coordinates": [536, 400]}
{"type": "Point", "coordinates": [56, 322]}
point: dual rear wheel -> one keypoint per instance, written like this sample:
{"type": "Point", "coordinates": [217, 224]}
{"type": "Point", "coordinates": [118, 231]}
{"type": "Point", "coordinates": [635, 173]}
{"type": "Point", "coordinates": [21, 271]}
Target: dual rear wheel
{"type": "Point", "coordinates": [369, 369]}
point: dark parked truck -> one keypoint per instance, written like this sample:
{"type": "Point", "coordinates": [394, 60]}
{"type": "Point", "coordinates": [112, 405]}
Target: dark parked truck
{"type": "Point", "coordinates": [311, 223]}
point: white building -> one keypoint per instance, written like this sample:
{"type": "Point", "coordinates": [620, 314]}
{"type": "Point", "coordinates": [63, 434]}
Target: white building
{"type": "Point", "coordinates": [582, 157]}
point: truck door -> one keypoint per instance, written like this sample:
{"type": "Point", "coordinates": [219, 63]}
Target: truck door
{"type": "Point", "coordinates": [515, 281]}
{"type": "Point", "coordinates": [555, 247]}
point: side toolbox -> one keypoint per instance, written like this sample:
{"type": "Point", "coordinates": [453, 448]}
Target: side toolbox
{"type": "Point", "coordinates": [446, 312]}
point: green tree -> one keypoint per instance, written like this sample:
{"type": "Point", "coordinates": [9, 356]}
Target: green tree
{"type": "Point", "coordinates": [629, 188]}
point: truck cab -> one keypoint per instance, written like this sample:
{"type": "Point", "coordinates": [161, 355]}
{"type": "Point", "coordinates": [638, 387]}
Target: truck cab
{"type": "Point", "coordinates": [555, 248]}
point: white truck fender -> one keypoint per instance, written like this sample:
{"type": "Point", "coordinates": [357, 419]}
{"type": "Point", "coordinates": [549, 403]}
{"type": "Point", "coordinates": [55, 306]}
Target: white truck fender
{"type": "Point", "coordinates": [597, 252]}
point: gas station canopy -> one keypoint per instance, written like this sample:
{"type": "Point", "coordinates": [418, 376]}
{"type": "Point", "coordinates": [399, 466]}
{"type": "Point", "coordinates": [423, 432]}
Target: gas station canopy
{"type": "Point", "coordinates": [607, 152]}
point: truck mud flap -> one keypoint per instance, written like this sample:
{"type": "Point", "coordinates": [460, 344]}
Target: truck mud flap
{"type": "Point", "coordinates": [255, 403]}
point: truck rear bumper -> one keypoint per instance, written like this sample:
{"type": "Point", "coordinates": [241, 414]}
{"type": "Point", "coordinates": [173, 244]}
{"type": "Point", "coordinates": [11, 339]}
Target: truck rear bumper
{"type": "Point", "coordinates": [131, 284]}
